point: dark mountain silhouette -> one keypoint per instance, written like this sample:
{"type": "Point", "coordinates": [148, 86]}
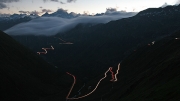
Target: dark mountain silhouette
{"type": "Point", "coordinates": [100, 46]}
{"type": "Point", "coordinates": [25, 76]}
{"type": "Point", "coordinates": [151, 73]}
{"type": "Point", "coordinates": [148, 72]}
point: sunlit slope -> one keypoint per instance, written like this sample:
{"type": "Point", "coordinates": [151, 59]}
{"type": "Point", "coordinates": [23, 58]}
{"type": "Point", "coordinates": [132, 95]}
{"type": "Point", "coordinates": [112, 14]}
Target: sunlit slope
{"type": "Point", "coordinates": [151, 73]}
{"type": "Point", "coordinates": [23, 74]}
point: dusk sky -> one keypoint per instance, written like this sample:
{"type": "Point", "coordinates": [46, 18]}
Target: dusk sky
{"type": "Point", "coordinates": [79, 6]}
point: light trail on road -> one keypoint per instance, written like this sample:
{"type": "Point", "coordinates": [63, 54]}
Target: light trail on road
{"type": "Point", "coordinates": [68, 43]}
{"type": "Point", "coordinates": [117, 72]}
{"type": "Point", "coordinates": [72, 84]}
{"type": "Point", "coordinates": [153, 42]}
{"type": "Point", "coordinates": [114, 78]}
{"type": "Point", "coordinates": [45, 50]}
{"type": "Point", "coordinates": [60, 39]}
{"type": "Point", "coordinates": [105, 75]}
{"type": "Point", "coordinates": [112, 74]}
{"type": "Point", "coordinates": [64, 42]}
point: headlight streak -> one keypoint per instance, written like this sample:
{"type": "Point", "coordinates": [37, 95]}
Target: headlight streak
{"type": "Point", "coordinates": [117, 72]}
{"type": "Point", "coordinates": [72, 84]}
{"type": "Point", "coordinates": [112, 74]}
{"type": "Point", "coordinates": [64, 42]}
{"type": "Point", "coordinates": [114, 78]}
{"type": "Point", "coordinates": [60, 39]}
{"type": "Point", "coordinates": [81, 88]}
{"type": "Point", "coordinates": [45, 50]}
{"type": "Point", "coordinates": [153, 42]}
{"type": "Point", "coordinates": [88, 93]}
{"type": "Point", "coordinates": [68, 43]}
{"type": "Point", "coordinates": [177, 38]}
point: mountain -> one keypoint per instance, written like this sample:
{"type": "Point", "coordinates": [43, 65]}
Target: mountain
{"type": "Point", "coordinates": [9, 21]}
{"type": "Point", "coordinates": [148, 71]}
{"type": "Point", "coordinates": [61, 13]}
{"type": "Point", "coordinates": [27, 77]}
{"type": "Point", "coordinates": [151, 73]}
{"type": "Point", "coordinates": [103, 45]}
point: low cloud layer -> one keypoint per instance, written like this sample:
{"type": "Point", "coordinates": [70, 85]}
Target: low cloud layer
{"type": "Point", "coordinates": [52, 25]}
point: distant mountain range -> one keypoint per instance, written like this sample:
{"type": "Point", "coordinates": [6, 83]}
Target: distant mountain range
{"type": "Point", "coordinates": [61, 13]}
{"type": "Point", "coordinates": [7, 22]}
{"type": "Point", "coordinates": [10, 21]}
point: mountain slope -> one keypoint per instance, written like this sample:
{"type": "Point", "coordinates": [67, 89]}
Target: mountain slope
{"type": "Point", "coordinates": [25, 76]}
{"type": "Point", "coordinates": [151, 73]}
{"type": "Point", "coordinates": [103, 45]}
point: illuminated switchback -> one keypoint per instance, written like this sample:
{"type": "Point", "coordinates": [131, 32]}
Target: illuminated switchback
{"type": "Point", "coordinates": [112, 74]}
{"type": "Point", "coordinates": [64, 42]}
{"type": "Point", "coordinates": [45, 50]}
{"type": "Point", "coordinates": [114, 78]}
{"type": "Point", "coordinates": [60, 39]}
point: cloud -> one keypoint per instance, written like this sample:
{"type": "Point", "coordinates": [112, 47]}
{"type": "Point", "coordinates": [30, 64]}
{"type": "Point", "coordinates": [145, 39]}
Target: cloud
{"type": "Point", "coordinates": [55, 0]}
{"type": "Point", "coordinates": [2, 5]}
{"type": "Point", "coordinates": [49, 26]}
{"type": "Point", "coordinates": [46, 10]}
{"type": "Point", "coordinates": [30, 12]}
{"type": "Point", "coordinates": [62, 2]}
{"type": "Point", "coordinates": [51, 0]}
{"type": "Point", "coordinates": [86, 13]}
{"type": "Point", "coordinates": [24, 12]}
{"type": "Point", "coordinates": [177, 2]}
{"type": "Point", "coordinates": [8, 1]}
{"type": "Point", "coordinates": [36, 12]}
{"type": "Point", "coordinates": [164, 5]}
{"type": "Point", "coordinates": [69, 1]}
{"type": "Point", "coordinates": [111, 10]}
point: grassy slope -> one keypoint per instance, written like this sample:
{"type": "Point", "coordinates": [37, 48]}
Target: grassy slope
{"type": "Point", "coordinates": [23, 74]}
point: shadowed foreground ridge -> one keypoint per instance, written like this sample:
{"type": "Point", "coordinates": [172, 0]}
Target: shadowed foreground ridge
{"type": "Point", "coordinates": [24, 76]}
{"type": "Point", "coordinates": [151, 73]}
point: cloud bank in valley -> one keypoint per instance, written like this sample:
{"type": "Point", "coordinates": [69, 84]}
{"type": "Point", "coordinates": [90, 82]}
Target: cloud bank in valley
{"type": "Point", "coordinates": [49, 26]}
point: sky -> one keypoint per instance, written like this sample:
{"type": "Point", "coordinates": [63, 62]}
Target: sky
{"type": "Point", "coordinates": [79, 6]}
